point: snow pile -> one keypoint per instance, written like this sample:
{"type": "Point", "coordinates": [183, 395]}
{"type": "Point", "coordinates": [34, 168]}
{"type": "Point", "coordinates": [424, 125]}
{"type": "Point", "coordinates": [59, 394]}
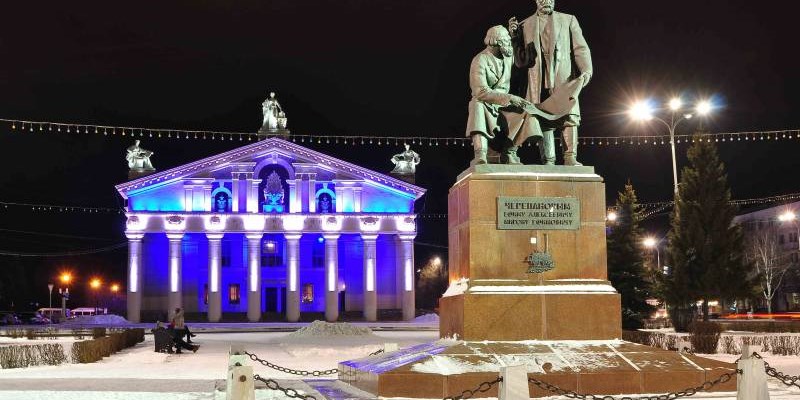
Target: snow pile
{"type": "Point", "coordinates": [326, 329]}
{"type": "Point", "coordinates": [456, 288]}
{"type": "Point", "coordinates": [107, 319]}
{"type": "Point", "coordinates": [427, 318]}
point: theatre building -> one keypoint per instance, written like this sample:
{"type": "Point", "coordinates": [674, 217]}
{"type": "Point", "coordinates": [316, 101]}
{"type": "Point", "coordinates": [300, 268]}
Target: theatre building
{"type": "Point", "coordinates": [270, 230]}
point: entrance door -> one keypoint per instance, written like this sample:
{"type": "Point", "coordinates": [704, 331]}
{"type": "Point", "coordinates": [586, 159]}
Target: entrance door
{"type": "Point", "coordinates": [283, 300]}
{"type": "Point", "coordinates": [271, 299]}
{"type": "Point", "coordinates": [342, 307]}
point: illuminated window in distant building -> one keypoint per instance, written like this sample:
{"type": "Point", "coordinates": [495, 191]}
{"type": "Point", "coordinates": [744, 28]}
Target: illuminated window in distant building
{"type": "Point", "coordinates": [308, 293]}
{"type": "Point", "coordinates": [271, 254]}
{"type": "Point", "coordinates": [234, 296]}
{"type": "Point", "coordinates": [205, 294]}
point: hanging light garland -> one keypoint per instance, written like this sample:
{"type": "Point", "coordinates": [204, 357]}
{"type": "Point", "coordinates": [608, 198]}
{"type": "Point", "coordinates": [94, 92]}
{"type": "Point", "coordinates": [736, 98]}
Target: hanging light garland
{"type": "Point", "coordinates": [44, 127]}
{"type": "Point", "coordinates": [55, 208]}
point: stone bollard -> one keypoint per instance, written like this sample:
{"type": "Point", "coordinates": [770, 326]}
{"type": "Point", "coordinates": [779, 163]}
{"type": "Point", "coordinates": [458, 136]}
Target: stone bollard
{"type": "Point", "coordinates": [752, 383]}
{"type": "Point", "coordinates": [514, 385]}
{"type": "Point", "coordinates": [240, 384]}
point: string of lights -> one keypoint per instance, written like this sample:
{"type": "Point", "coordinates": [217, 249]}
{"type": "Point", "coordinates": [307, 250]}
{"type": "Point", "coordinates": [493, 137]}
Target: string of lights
{"type": "Point", "coordinates": [47, 127]}
{"type": "Point", "coordinates": [66, 253]}
{"type": "Point", "coordinates": [4, 205]}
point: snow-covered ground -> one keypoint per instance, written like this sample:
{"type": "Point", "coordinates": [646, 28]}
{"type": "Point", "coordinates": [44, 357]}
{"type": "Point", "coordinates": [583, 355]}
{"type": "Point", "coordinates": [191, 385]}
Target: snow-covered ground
{"type": "Point", "coordinates": [140, 374]}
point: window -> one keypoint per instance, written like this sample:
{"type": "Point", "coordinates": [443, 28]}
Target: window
{"type": "Point", "coordinates": [308, 293]}
{"type": "Point", "coordinates": [225, 254]}
{"type": "Point", "coordinates": [234, 296]}
{"type": "Point", "coordinates": [318, 253]}
{"type": "Point", "coordinates": [205, 294]}
{"type": "Point", "coordinates": [271, 254]}
{"type": "Point", "coordinates": [781, 239]}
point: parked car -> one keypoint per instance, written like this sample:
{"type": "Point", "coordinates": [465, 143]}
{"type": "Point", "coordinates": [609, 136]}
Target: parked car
{"type": "Point", "coordinates": [53, 314]}
{"type": "Point", "coordinates": [10, 319]}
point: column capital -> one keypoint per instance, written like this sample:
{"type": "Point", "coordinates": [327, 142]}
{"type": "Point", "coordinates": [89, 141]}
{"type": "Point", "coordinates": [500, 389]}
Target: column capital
{"type": "Point", "coordinates": [134, 236]}
{"type": "Point", "coordinates": [330, 236]}
{"type": "Point", "coordinates": [292, 235]}
{"type": "Point", "coordinates": [175, 236]}
{"type": "Point", "coordinates": [214, 236]}
{"type": "Point", "coordinates": [370, 237]}
{"type": "Point", "coordinates": [405, 237]}
{"type": "Point", "coordinates": [254, 236]}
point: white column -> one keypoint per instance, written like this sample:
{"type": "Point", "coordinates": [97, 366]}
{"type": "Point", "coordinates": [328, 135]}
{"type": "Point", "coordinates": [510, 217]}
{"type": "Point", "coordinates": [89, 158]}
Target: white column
{"type": "Point", "coordinates": [254, 277]}
{"type": "Point", "coordinates": [252, 195]}
{"type": "Point", "coordinates": [312, 193]}
{"type": "Point", "coordinates": [339, 198]}
{"type": "Point", "coordinates": [292, 277]}
{"type": "Point", "coordinates": [214, 278]}
{"type": "Point", "coordinates": [235, 192]}
{"type": "Point", "coordinates": [292, 195]}
{"type": "Point", "coordinates": [188, 199]}
{"type": "Point", "coordinates": [370, 278]}
{"type": "Point", "coordinates": [207, 202]}
{"type": "Point", "coordinates": [405, 248]}
{"type": "Point", "coordinates": [357, 199]}
{"type": "Point", "coordinates": [134, 276]}
{"type": "Point", "coordinates": [175, 266]}
{"type": "Point", "coordinates": [298, 193]}
{"type": "Point", "coordinates": [331, 277]}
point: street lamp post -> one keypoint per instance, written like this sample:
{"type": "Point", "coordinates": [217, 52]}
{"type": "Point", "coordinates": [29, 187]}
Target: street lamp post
{"type": "Point", "coordinates": [65, 280]}
{"type": "Point", "coordinates": [652, 243]}
{"type": "Point", "coordinates": [95, 284]}
{"type": "Point", "coordinates": [643, 112]}
{"type": "Point", "coordinates": [50, 288]}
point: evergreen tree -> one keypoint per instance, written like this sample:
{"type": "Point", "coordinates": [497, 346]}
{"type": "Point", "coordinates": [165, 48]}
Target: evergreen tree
{"type": "Point", "coordinates": [626, 262]}
{"type": "Point", "coordinates": [706, 250]}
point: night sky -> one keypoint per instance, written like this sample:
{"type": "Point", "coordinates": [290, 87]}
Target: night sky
{"type": "Point", "coordinates": [357, 67]}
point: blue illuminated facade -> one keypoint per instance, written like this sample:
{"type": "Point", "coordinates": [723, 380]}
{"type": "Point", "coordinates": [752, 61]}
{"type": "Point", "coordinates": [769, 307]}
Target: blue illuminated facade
{"type": "Point", "coordinates": [270, 230]}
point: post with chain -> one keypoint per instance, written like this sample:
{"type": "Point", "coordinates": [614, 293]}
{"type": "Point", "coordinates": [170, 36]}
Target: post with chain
{"type": "Point", "coordinates": [240, 383]}
{"type": "Point", "coordinates": [752, 384]}
{"type": "Point", "coordinates": [514, 385]}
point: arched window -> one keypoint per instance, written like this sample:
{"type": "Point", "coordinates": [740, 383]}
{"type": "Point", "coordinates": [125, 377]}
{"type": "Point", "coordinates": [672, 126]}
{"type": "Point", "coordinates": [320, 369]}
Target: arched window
{"type": "Point", "coordinates": [221, 202]}
{"type": "Point", "coordinates": [325, 204]}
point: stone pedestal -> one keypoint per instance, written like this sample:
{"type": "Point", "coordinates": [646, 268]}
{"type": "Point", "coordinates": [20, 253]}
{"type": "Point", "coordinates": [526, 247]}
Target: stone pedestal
{"type": "Point", "coordinates": [561, 325]}
{"type": "Point", "coordinates": [489, 245]}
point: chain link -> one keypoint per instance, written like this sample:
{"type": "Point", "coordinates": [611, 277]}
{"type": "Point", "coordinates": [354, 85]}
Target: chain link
{"type": "Point", "coordinates": [376, 352]}
{"type": "Point", "coordinates": [787, 380]}
{"type": "Point", "coordinates": [289, 392]}
{"type": "Point", "coordinates": [706, 386]}
{"type": "Point", "coordinates": [289, 370]}
{"type": "Point", "coordinates": [482, 388]}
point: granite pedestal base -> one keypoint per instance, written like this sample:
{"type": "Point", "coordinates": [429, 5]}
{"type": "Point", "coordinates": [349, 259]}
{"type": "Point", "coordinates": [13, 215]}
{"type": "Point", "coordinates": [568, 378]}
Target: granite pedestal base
{"type": "Point", "coordinates": [448, 367]}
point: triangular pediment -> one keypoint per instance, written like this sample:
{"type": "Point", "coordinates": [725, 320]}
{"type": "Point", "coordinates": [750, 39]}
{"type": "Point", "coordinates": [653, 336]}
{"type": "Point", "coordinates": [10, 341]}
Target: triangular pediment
{"type": "Point", "coordinates": [271, 150]}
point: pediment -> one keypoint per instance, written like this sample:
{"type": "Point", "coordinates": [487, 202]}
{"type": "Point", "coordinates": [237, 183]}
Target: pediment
{"type": "Point", "coordinates": [273, 150]}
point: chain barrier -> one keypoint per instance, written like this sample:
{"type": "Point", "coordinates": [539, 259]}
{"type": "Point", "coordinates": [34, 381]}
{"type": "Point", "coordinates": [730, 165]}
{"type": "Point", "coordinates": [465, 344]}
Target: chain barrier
{"type": "Point", "coordinates": [706, 386]}
{"type": "Point", "coordinates": [289, 370]}
{"type": "Point", "coordinates": [787, 380]}
{"type": "Point", "coordinates": [482, 388]}
{"type": "Point", "coordinates": [289, 392]}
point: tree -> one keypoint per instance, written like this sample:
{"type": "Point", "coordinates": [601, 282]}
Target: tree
{"type": "Point", "coordinates": [626, 262]}
{"type": "Point", "coordinates": [705, 249]}
{"type": "Point", "coordinates": [769, 262]}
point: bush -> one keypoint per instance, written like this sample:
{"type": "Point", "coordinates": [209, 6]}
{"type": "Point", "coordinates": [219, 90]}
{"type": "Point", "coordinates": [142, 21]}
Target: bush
{"type": "Point", "coordinates": [658, 340]}
{"type": "Point", "coordinates": [704, 336]}
{"type": "Point", "coordinates": [89, 351]}
{"type": "Point", "coordinates": [98, 333]}
{"type": "Point", "coordinates": [22, 356]}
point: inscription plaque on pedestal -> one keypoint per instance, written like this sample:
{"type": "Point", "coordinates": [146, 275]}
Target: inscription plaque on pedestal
{"type": "Point", "coordinates": [538, 213]}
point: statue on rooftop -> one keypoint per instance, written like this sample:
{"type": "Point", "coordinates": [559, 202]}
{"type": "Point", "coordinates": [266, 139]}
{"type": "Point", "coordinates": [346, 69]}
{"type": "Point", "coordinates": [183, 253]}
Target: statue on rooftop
{"type": "Point", "coordinates": [406, 162]}
{"type": "Point", "coordinates": [274, 117]}
{"type": "Point", "coordinates": [139, 158]}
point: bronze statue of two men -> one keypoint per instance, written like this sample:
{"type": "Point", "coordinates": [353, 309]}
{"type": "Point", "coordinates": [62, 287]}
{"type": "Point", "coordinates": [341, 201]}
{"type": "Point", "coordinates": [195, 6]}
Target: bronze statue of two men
{"type": "Point", "coordinates": [550, 49]}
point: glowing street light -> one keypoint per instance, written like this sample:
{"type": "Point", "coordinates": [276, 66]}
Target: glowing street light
{"type": "Point", "coordinates": [66, 278]}
{"type": "Point", "coordinates": [115, 288]}
{"type": "Point", "coordinates": [788, 216]}
{"type": "Point", "coordinates": [652, 244]}
{"type": "Point", "coordinates": [95, 283]}
{"type": "Point", "coordinates": [612, 216]}
{"type": "Point", "coordinates": [642, 111]}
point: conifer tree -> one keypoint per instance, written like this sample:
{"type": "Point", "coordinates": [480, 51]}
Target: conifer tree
{"type": "Point", "coordinates": [706, 250]}
{"type": "Point", "coordinates": [626, 262]}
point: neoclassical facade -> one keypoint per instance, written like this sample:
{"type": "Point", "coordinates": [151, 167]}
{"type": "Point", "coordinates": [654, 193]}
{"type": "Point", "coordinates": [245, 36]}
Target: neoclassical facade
{"type": "Point", "coordinates": [270, 228]}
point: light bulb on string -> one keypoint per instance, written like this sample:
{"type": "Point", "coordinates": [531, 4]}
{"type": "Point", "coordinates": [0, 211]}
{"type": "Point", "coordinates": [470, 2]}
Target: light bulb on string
{"type": "Point", "coordinates": [13, 125]}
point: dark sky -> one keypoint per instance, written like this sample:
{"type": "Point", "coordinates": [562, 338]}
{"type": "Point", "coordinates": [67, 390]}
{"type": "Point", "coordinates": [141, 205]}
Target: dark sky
{"type": "Point", "coordinates": [371, 67]}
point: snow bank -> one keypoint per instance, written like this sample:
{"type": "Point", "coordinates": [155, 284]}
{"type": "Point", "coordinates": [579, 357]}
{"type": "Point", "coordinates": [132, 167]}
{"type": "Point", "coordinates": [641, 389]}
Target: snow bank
{"type": "Point", "coordinates": [107, 319]}
{"type": "Point", "coordinates": [427, 318]}
{"type": "Point", "coordinates": [326, 329]}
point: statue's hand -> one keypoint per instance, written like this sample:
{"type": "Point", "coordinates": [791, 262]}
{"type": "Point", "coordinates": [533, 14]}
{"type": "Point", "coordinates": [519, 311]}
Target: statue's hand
{"type": "Point", "coordinates": [517, 101]}
{"type": "Point", "coordinates": [513, 25]}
